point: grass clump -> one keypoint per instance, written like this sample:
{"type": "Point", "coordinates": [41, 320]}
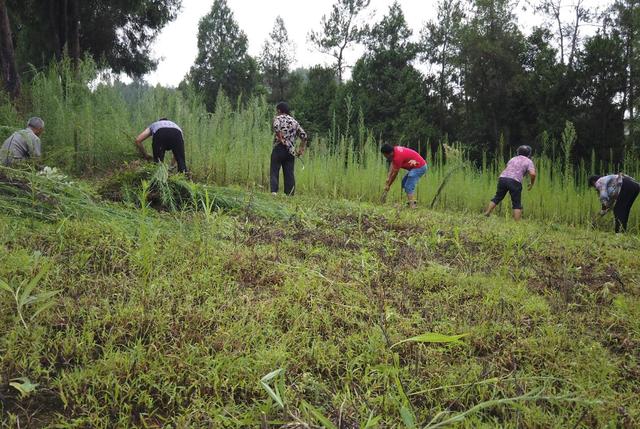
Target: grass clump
{"type": "Point", "coordinates": [145, 184]}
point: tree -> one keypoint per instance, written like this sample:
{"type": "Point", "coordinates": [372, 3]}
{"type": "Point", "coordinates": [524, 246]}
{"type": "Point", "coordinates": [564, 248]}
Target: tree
{"type": "Point", "coordinates": [277, 56]}
{"type": "Point", "coordinates": [490, 61]}
{"type": "Point", "coordinates": [390, 91]}
{"type": "Point", "coordinates": [440, 45]}
{"type": "Point", "coordinates": [315, 102]}
{"type": "Point", "coordinates": [600, 70]}
{"type": "Point", "coordinates": [119, 32]}
{"type": "Point", "coordinates": [340, 30]}
{"type": "Point", "coordinates": [568, 32]}
{"type": "Point", "coordinates": [223, 63]}
{"type": "Point", "coordinates": [625, 17]}
{"type": "Point", "coordinates": [8, 68]}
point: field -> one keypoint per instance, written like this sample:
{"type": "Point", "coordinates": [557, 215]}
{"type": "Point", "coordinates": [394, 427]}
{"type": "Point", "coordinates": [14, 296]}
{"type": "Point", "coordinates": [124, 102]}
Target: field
{"type": "Point", "coordinates": [242, 310]}
{"type": "Point", "coordinates": [91, 127]}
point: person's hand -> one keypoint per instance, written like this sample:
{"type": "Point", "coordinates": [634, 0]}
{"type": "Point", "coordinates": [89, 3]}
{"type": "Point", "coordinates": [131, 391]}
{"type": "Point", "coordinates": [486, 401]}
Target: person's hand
{"type": "Point", "coordinates": [530, 186]}
{"type": "Point", "coordinates": [386, 188]}
{"type": "Point", "coordinates": [300, 152]}
{"type": "Point", "coordinates": [413, 163]}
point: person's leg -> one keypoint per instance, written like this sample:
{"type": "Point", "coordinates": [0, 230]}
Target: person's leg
{"type": "Point", "coordinates": [177, 148]}
{"type": "Point", "coordinates": [517, 214]}
{"type": "Point", "coordinates": [157, 146]}
{"type": "Point", "coordinates": [515, 192]}
{"type": "Point", "coordinates": [288, 171]}
{"type": "Point", "coordinates": [626, 198]}
{"type": "Point", "coordinates": [501, 191]}
{"type": "Point", "coordinates": [410, 182]}
{"type": "Point", "coordinates": [276, 163]}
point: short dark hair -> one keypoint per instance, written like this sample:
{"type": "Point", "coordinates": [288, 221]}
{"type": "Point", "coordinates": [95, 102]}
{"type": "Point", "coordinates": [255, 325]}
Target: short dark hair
{"type": "Point", "coordinates": [283, 107]}
{"type": "Point", "coordinates": [163, 119]}
{"type": "Point", "coordinates": [592, 180]}
{"type": "Point", "coordinates": [386, 149]}
{"type": "Point", "coordinates": [524, 150]}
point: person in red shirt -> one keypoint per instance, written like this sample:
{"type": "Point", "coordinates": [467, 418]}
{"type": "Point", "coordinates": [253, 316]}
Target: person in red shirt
{"type": "Point", "coordinates": [409, 159]}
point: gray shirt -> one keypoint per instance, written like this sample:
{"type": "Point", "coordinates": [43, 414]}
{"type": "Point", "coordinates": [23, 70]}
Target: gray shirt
{"type": "Point", "coordinates": [163, 124]}
{"type": "Point", "coordinates": [20, 145]}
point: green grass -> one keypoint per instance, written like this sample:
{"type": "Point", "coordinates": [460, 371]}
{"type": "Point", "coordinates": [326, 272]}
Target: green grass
{"type": "Point", "coordinates": [91, 127]}
{"type": "Point", "coordinates": [174, 319]}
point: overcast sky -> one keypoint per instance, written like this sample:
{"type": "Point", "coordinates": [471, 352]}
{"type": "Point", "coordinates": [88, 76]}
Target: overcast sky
{"type": "Point", "coordinates": [176, 45]}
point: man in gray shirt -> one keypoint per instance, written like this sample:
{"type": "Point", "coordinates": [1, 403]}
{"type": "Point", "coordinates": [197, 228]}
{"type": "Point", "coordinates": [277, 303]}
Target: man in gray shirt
{"type": "Point", "coordinates": [23, 144]}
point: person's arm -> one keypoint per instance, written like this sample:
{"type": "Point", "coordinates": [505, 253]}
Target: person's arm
{"type": "Point", "coordinates": [393, 173]}
{"type": "Point", "coordinates": [142, 137]}
{"type": "Point", "coordinates": [532, 178]}
{"type": "Point", "coordinates": [37, 149]}
{"type": "Point", "coordinates": [302, 135]}
{"type": "Point", "coordinates": [280, 138]}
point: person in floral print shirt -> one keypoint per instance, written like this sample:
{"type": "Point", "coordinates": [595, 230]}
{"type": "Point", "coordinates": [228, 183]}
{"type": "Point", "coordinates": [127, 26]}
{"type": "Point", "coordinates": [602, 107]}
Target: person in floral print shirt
{"type": "Point", "coordinates": [284, 153]}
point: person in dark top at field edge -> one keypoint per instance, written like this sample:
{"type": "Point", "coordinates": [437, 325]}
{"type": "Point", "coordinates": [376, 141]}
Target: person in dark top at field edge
{"type": "Point", "coordinates": [619, 190]}
{"type": "Point", "coordinates": [23, 144]}
{"type": "Point", "coordinates": [166, 136]}
{"type": "Point", "coordinates": [283, 155]}
{"type": "Point", "coordinates": [510, 180]}
{"type": "Point", "coordinates": [409, 159]}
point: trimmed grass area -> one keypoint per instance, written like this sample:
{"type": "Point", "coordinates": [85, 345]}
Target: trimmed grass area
{"type": "Point", "coordinates": [172, 319]}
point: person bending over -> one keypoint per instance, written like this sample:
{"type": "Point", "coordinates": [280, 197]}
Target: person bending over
{"type": "Point", "coordinates": [23, 144]}
{"type": "Point", "coordinates": [618, 191]}
{"type": "Point", "coordinates": [283, 155]}
{"type": "Point", "coordinates": [511, 181]}
{"type": "Point", "coordinates": [166, 136]}
{"type": "Point", "coordinates": [409, 159]}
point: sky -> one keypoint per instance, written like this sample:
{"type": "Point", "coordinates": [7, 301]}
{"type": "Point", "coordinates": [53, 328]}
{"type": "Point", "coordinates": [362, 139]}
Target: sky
{"type": "Point", "coordinates": [176, 45]}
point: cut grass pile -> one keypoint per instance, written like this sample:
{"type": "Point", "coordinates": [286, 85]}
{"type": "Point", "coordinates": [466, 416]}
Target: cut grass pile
{"type": "Point", "coordinates": [53, 196]}
{"type": "Point", "coordinates": [219, 319]}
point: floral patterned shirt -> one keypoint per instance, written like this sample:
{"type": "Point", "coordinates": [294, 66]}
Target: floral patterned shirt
{"type": "Point", "coordinates": [290, 128]}
{"type": "Point", "coordinates": [609, 187]}
{"type": "Point", "coordinates": [518, 167]}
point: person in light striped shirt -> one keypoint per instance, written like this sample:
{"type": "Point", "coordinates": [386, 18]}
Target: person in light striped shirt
{"type": "Point", "coordinates": [618, 191]}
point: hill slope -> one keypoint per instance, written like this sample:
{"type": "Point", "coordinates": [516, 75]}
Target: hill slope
{"type": "Point", "coordinates": [174, 318]}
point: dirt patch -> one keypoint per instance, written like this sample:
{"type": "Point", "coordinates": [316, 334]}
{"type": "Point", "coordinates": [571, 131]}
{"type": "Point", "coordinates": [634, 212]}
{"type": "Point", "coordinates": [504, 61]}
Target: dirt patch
{"type": "Point", "coordinates": [34, 411]}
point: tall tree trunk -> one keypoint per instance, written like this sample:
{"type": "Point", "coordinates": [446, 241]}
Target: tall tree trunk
{"type": "Point", "coordinates": [54, 23]}
{"type": "Point", "coordinates": [7, 54]}
{"type": "Point", "coordinates": [74, 33]}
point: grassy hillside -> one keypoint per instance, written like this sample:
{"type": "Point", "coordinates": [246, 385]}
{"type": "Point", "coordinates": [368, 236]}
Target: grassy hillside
{"type": "Point", "coordinates": [151, 319]}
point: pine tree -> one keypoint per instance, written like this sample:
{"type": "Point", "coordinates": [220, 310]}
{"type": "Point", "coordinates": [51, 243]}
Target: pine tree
{"type": "Point", "coordinates": [277, 56]}
{"type": "Point", "coordinates": [223, 63]}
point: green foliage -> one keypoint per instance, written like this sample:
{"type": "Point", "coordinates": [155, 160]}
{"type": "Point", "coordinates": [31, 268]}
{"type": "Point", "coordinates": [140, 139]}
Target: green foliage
{"type": "Point", "coordinates": [26, 300]}
{"type": "Point", "coordinates": [276, 392]}
{"type": "Point", "coordinates": [277, 56]}
{"type": "Point", "coordinates": [23, 385]}
{"type": "Point", "coordinates": [432, 337]}
{"type": "Point", "coordinates": [174, 320]}
{"type": "Point", "coordinates": [119, 32]}
{"type": "Point", "coordinates": [223, 65]}
{"type": "Point", "coordinates": [384, 70]}
{"type": "Point", "coordinates": [340, 30]}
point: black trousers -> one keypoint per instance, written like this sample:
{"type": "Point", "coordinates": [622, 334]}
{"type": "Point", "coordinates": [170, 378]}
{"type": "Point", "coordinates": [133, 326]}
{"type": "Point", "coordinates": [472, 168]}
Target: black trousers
{"type": "Point", "coordinates": [169, 139]}
{"type": "Point", "coordinates": [627, 196]}
{"type": "Point", "coordinates": [514, 188]}
{"type": "Point", "coordinates": [281, 158]}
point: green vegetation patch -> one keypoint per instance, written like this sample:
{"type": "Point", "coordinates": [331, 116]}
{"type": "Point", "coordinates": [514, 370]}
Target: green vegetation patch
{"type": "Point", "coordinates": [350, 315]}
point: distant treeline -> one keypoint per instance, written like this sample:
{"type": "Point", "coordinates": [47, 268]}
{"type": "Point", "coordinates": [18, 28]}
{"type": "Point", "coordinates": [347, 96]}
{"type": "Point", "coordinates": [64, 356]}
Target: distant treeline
{"type": "Point", "coordinates": [488, 84]}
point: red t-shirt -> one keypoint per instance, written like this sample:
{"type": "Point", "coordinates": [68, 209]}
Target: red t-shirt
{"type": "Point", "coordinates": [402, 156]}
